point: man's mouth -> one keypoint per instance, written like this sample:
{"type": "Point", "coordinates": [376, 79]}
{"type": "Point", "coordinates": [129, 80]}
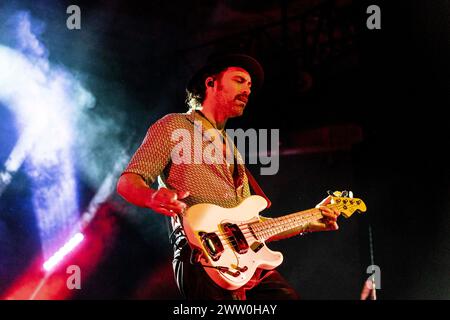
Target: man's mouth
{"type": "Point", "coordinates": [242, 99]}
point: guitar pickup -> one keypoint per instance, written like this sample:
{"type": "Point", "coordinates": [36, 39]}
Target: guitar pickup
{"type": "Point", "coordinates": [236, 237]}
{"type": "Point", "coordinates": [212, 244]}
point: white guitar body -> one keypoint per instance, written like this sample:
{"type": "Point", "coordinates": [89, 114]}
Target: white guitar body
{"type": "Point", "coordinates": [230, 242]}
{"type": "Point", "coordinates": [203, 222]}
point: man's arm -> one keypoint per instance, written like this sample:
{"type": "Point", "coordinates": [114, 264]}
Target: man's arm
{"type": "Point", "coordinates": [133, 188]}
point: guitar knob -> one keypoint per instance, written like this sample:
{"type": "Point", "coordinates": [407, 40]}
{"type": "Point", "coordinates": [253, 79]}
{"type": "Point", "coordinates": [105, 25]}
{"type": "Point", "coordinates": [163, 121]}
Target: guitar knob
{"type": "Point", "coordinates": [234, 274]}
{"type": "Point", "coordinates": [243, 269]}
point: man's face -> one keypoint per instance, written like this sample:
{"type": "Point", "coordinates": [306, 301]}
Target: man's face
{"type": "Point", "coordinates": [233, 90]}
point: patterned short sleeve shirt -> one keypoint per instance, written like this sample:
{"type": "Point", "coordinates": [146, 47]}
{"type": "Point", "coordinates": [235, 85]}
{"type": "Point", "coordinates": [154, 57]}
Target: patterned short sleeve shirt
{"type": "Point", "coordinates": [188, 136]}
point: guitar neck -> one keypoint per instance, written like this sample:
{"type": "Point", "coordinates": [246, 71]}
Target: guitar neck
{"type": "Point", "coordinates": [272, 227]}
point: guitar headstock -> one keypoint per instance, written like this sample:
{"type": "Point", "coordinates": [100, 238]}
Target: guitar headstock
{"type": "Point", "coordinates": [346, 204]}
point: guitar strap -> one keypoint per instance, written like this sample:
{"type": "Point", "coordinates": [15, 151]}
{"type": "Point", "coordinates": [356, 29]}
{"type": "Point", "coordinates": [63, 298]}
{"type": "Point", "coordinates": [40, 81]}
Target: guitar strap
{"type": "Point", "coordinates": [256, 188]}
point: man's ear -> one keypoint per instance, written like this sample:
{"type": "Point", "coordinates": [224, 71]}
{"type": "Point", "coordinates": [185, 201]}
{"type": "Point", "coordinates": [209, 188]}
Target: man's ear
{"type": "Point", "coordinates": [209, 82]}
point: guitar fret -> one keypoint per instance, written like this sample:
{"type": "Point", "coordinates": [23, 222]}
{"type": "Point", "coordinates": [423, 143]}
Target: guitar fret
{"type": "Point", "coordinates": [269, 228]}
{"type": "Point", "coordinates": [265, 230]}
{"type": "Point", "coordinates": [275, 226]}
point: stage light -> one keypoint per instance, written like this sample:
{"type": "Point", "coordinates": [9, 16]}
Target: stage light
{"type": "Point", "coordinates": [46, 101]}
{"type": "Point", "coordinates": [63, 251]}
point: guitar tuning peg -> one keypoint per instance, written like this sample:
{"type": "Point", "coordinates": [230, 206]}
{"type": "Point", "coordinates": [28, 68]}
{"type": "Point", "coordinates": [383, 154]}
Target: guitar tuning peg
{"type": "Point", "coordinates": [335, 193]}
{"type": "Point", "coordinates": [350, 194]}
{"type": "Point", "coordinates": [344, 193]}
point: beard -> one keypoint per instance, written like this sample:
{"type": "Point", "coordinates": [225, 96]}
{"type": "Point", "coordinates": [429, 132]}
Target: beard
{"type": "Point", "coordinates": [237, 108]}
{"type": "Point", "coordinates": [234, 105]}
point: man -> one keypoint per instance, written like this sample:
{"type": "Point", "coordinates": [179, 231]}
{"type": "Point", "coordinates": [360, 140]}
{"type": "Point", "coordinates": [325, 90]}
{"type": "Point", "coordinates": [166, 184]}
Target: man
{"type": "Point", "coordinates": [217, 92]}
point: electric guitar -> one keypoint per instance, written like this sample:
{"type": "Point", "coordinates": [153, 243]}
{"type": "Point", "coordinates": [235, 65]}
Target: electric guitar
{"type": "Point", "coordinates": [230, 242]}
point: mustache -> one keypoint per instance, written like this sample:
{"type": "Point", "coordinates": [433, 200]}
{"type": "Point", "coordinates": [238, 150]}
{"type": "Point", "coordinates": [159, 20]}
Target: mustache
{"type": "Point", "coordinates": [242, 97]}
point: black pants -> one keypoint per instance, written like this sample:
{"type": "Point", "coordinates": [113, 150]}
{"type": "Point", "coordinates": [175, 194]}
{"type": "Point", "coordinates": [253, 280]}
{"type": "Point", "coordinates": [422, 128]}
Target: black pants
{"type": "Point", "coordinates": [195, 284]}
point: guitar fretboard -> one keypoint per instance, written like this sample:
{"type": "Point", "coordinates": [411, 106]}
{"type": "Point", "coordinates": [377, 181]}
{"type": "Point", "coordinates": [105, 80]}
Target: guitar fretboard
{"type": "Point", "coordinates": [272, 227]}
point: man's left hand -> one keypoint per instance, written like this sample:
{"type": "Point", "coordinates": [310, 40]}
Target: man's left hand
{"type": "Point", "coordinates": [329, 220]}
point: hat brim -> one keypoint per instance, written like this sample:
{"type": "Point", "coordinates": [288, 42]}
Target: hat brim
{"type": "Point", "coordinates": [249, 64]}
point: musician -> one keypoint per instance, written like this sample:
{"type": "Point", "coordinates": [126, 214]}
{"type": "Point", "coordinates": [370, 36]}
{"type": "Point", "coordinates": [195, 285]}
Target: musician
{"type": "Point", "coordinates": [217, 92]}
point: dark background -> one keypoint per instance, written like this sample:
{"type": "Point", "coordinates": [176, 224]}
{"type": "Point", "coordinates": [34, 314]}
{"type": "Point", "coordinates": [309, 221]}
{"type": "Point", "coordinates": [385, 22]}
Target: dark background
{"type": "Point", "coordinates": [357, 109]}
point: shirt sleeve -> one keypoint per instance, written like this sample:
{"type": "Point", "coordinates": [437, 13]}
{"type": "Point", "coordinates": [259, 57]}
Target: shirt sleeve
{"type": "Point", "coordinates": [153, 155]}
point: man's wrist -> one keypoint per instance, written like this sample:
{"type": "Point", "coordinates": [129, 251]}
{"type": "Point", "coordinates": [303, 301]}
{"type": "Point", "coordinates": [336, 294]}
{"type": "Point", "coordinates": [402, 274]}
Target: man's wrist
{"type": "Point", "coordinates": [149, 198]}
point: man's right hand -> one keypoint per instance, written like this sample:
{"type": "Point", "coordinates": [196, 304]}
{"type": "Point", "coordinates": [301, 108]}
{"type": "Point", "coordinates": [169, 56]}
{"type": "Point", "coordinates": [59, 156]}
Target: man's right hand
{"type": "Point", "coordinates": [168, 202]}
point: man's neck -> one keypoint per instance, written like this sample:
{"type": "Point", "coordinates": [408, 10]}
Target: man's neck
{"type": "Point", "coordinates": [213, 114]}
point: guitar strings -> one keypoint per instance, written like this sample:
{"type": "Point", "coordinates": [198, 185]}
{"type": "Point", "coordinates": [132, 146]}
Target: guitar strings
{"type": "Point", "coordinates": [230, 241]}
{"type": "Point", "coordinates": [257, 222]}
{"type": "Point", "coordinates": [270, 226]}
{"type": "Point", "coordinates": [246, 231]}
{"type": "Point", "coordinates": [246, 227]}
{"type": "Point", "coordinates": [254, 233]}
{"type": "Point", "coordinates": [270, 222]}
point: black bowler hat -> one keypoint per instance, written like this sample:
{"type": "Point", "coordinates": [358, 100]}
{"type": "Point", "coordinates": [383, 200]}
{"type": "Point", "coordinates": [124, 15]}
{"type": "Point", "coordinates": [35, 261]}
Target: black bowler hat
{"type": "Point", "coordinates": [218, 63]}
